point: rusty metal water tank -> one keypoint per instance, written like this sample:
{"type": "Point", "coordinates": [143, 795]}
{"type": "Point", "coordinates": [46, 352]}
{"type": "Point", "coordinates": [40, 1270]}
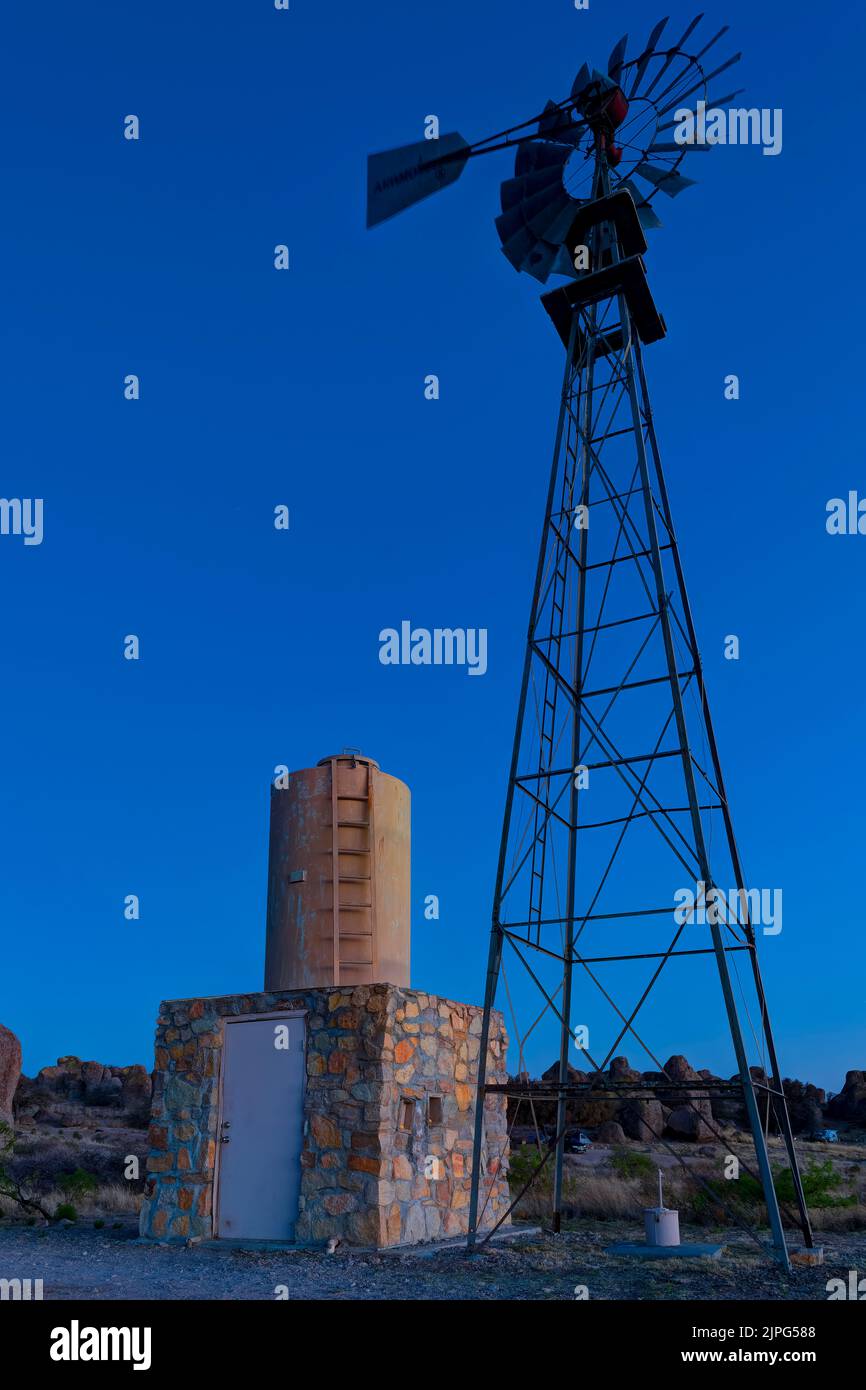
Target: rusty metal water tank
{"type": "Point", "coordinates": [338, 877]}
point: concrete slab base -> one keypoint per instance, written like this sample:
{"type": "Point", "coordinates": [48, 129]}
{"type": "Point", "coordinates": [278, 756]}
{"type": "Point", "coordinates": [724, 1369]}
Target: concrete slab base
{"type": "Point", "coordinates": [261, 1245]}
{"type": "Point", "coordinates": [802, 1255]}
{"type": "Point", "coordinates": [665, 1252]}
{"type": "Point", "coordinates": [502, 1237]}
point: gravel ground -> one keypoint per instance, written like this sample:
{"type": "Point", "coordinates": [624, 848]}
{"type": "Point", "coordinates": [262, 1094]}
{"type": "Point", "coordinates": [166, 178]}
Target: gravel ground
{"type": "Point", "coordinates": [78, 1262]}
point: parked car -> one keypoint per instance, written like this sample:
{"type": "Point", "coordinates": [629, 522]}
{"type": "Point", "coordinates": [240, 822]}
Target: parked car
{"type": "Point", "coordinates": [576, 1141]}
{"type": "Point", "coordinates": [825, 1136]}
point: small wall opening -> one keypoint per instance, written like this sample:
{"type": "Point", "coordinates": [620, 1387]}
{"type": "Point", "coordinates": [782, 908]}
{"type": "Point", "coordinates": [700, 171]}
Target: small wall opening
{"type": "Point", "coordinates": [407, 1115]}
{"type": "Point", "coordinates": [434, 1110]}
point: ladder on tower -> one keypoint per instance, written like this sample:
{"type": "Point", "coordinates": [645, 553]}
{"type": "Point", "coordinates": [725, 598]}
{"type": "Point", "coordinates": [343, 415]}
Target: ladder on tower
{"type": "Point", "coordinates": [352, 842]}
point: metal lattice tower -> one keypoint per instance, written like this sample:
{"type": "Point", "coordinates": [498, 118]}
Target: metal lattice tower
{"type": "Point", "coordinates": [612, 715]}
{"type": "Point", "coordinates": [616, 801]}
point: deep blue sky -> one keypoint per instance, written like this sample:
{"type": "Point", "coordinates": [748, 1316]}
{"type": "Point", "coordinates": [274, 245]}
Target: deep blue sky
{"type": "Point", "coordinates": [306, 388]}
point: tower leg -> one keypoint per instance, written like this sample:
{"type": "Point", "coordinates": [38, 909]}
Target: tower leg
{"type": "Point", "coordinates": [780, 1105]}
{"type": "Point", "coordinates": [496, 937]}
{"type": "Point", "coordinates": [761, 1155]}
{"type": "Point", "coordinates": [576, 727]}
{"type": "Point", "coordinates": [494, 962]}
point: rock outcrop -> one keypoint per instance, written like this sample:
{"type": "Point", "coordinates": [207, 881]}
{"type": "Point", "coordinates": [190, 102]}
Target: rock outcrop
{"type": "Point", "coordinates": [610, 1133]}
{"type": "Point", "coordinates": [684, 1122]}
{"type": "Point", "coordinates": [850, 1103]}
{"type": "Point", "coordinates": [82, 1095]}
{"type": "Point", "coordinates": [676, 1102]}
{"type": "Point", "coordinates": [642, 1119]}
{"type": "Point", "coordinates": [10, 1071]}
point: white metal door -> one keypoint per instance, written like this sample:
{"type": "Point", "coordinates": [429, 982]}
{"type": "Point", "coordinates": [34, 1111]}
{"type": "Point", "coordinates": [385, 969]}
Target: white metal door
{"type": "Point", "coordinates": [261, 1130]}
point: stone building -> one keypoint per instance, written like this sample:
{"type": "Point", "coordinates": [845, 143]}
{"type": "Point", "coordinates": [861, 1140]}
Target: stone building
{"type": "Point", "coordinates": [385, 1140]}
{"type": "Point", "coordinates": [333, 1104]}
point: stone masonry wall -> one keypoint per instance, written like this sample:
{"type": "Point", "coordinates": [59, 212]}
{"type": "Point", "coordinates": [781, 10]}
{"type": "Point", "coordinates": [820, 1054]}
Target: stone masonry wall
{"type": "Point", "coordinates": [381, 1165]}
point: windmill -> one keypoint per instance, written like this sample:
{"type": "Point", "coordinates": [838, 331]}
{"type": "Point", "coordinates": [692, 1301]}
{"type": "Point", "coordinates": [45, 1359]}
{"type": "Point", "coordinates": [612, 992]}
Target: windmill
{"type": "Point", "coordinates": [616, 806]}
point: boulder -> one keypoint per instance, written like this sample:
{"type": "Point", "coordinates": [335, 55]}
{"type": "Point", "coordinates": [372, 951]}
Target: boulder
{"type": "Point", "coordinates": [805, 1103]}
{"type": "Point", "coordinates": [10, 1071]}
{"type": "Point", "coordinates": [621, 1071]}
{"type": "Point", "coordinates": [678, 1069]}
{"type": "Point", "coordinates": [653, 1078]}
{"type": "Point", "coordinates": [137, 1087]}
{"type": "Point", "coordinates": [686, 1123]}
{"type": "Point", "coordinates": [574, 1076]}
{"type": "Point", "coordinates": [610, 1133]}
{"type": "Point", "coordinates": [850, 1103]}
{"type": "Point", "coordinates": [642, 1119]}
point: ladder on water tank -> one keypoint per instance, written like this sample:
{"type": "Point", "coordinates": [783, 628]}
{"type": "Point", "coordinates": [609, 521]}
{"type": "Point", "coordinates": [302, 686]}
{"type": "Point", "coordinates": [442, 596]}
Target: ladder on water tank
{"type": "Point", "coordinates": [354, 932]}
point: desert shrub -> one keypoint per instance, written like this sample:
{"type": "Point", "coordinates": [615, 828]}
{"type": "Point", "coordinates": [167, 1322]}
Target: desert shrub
{"type": "Point", "coordinates": [66, 1212]}
{"type": "Point", "coordinates": [627, 1164]}
{"type": "Point", "coordinates": [77, 1184]}
{"type": "Point", "coordinates": [821, 1185]}
{"type": "Point", "coordinates": [23, 1196]}
{"type": "Point", "coordinates": [522, 1163]}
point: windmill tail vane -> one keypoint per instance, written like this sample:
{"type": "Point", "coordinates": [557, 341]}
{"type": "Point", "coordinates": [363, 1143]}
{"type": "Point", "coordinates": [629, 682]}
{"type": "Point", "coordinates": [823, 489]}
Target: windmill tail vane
{"type": "Point", "coordinates": [616, 796]}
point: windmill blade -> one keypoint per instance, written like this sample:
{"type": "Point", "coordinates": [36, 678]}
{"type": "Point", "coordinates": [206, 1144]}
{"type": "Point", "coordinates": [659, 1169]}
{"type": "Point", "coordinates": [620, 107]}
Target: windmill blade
{"type": "Point", "coordinates": [398, 178]}
{"type": "Point", "coordinates": [539, 262]}
{"type": "Point", "coordinates": [563, 263]}
{"type": "Point", "coordinates": [702, 82]}
{"type": "Point", "coordinates": [582, 80]}
{"type": "Point", "coordinates": [647, 215]}
{"type": "Point", "coordinates": [672, 53]}
{"type": "Point", "coordinates": [525, 250]}
{"type": "Point", "coordinates": [646, 55]}
{"type": "Point", "coordinates": [711, 106]}
{"type": "Point", "coordinates": [517, 240]}
{"type": "Point", "coordinates": [722, 101]}
{"type": "Point", "coordinates": [667, 180]}
{"type": "Point", "coordinates": [536, 155]}
{"type": "Point", "coordinates": [556, 124]}
{"type": "Point", "coordinates": [615, 61]}
{"type": "Point", "coordinates": [549, 218]}
{"type": "Point", "coordinates": [519, 190]}
{"type": "Point", "coordinates": [537, 209]}
{"type": "Point", "coordinates": [714, 39]}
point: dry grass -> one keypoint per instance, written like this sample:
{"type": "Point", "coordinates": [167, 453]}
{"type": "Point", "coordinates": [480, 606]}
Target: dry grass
{"type": "Point", "coordinates": [604, 1195]}
{"type": "Point", "coordinates": [605, 1198]}
{"type": "Point", "coordinates": [839, 1218]}
{"type": "Point", "coordinates": [108, 1199]}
